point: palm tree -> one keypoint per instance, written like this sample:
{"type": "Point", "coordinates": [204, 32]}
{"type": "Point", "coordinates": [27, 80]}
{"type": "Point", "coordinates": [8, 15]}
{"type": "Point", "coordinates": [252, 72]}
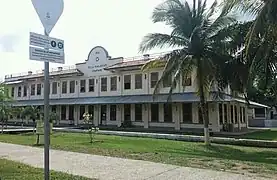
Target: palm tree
{"type": "Point", "coordinates": [261, 35]}
{"type": "Point", "coordinates": [19, 111]}
{"type": "Point", "coordinates": [264, 12]}
{"type": "Point", "coordinates": [255, 68]}
{"type": "Point", "coordinates": [5, 112]}
{"type": "Point", "coordinates": [33, 113]}
{"type": "Point", "coordinates": [198, 47]}
{"type": "Point", "coordinates": [235, 72]}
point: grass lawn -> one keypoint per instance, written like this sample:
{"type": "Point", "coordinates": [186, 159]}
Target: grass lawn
{"type": "Point", "coordinates": [237, 159]}
{"type": "Point", "coordinates": [270, 134]}
{"type": "Point", "coordinates": [10, 170]}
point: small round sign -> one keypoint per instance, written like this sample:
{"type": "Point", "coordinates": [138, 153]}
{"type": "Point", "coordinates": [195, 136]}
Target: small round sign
{"type": "Point", "coordinates": [60, 45]}
{"type": "Point", "coordinates": [53, 44]}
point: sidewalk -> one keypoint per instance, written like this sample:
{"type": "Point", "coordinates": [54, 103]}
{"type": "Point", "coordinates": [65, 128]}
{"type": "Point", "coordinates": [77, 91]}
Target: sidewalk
{"type": "Point", "coordinates": [108, 168]}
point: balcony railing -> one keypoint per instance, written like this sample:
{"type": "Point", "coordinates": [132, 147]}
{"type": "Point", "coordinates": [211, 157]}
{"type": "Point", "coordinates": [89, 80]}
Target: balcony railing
{"type": "Point", "coordinates": [66, 68]}
{"type": "Point", "coordinates": [39, 72]}
{"type": "Point", "coordinates": [146, 56]}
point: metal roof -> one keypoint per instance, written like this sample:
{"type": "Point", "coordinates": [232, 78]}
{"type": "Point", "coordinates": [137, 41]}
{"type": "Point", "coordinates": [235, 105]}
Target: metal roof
{"type": "Point", "coordinates": [252, 103]}
{"type": "Point", "coordinates": [127, 64]}
{"type": "Point", "coordinates": [13, 82]}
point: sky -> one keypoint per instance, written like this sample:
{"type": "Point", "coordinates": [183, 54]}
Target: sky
{"type": "Point", "coordinates": [117, 25]}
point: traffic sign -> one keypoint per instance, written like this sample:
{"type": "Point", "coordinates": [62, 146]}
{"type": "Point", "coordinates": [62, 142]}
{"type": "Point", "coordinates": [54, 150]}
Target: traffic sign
{"type": "Point", "coordinates": [49, 12]}
{"type": "Point", "coordinates": [43, 41]}
{"type": "Point", "coordinates": [39, 54]}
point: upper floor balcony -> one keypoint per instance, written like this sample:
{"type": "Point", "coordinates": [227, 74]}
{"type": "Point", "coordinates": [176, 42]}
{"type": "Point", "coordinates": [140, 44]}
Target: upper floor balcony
{"type": "Point", "coordinates": [99, 75]}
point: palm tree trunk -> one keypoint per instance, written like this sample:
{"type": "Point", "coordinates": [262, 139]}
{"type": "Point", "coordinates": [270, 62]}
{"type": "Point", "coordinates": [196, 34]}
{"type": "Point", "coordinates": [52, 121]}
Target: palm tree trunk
{"type": "Point", "coordinates": [204, 111]}
{"type": "Point", "coordinates": [203, 105]}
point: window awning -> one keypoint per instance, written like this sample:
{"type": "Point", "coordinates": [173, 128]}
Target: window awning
{"type": "Point", "coordinates": [128, 99]}
{"type": "Point", "coordinates": [252, 103]}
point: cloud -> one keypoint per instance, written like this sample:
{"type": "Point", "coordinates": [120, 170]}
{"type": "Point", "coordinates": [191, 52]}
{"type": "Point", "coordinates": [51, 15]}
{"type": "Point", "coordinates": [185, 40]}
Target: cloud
{"type": "Point", "coordinates": [8, 43]}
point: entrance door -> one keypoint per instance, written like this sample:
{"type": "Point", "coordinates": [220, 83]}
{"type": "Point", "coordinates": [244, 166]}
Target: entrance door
{"type": "Point", "coordinates": [127, 112]}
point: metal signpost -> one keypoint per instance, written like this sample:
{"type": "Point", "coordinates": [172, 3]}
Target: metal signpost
{"type": "Point", "coordinates": [49, 12]}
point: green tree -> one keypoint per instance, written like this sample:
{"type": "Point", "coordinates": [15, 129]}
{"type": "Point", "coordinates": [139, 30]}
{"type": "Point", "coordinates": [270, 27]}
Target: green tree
{"type": "Point", "coordinates": [92, 130]}
{"type": "Point", "coordinates": [33, 113]}
{"type": "Point", "coordinates": [263, 11]}
{"type": "Point", "coordinates": [261, 36]}
{"type": "Point", "coordinates": [236, 71]}
{"type": "Point", "coordinates": [5, 107]}
{"type": "Point", "coordinates": [5, 112]}
{"type": "Point", "coordinates": [253, 73]}
{"type": "Point", "coordinates": [198, 47]}
{"type": "Point", "coordinates": [18, 112]}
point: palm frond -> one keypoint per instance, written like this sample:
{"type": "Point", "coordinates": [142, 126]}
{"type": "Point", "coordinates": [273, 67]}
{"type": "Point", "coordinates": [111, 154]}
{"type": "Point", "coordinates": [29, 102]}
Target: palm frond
{"type": "Point", "coordinates": [153, 64]}
{"type": "Point", "coordinates": [173, 60]}
{"type": "Point", "coordinates": [220, 23]}
{"type": "Point", "coordinates": [249, 7]}
{"type": "Point", "coordinates": [211, 10]}
{"type": "Point", "coordinates": [184, 69]}
{"type": "Point", "coordinates": [158, 40]}
{"type": "Point", "coordinates": [171, 12]}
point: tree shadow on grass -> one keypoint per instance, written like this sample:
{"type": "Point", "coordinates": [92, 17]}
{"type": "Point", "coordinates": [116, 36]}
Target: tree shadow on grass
{"type": "Point", "coordinates": [38, 145]}
{"type": "Point", "coordinates": [269, 134]}
{"type": "Point", "coordinates": [229, 153]}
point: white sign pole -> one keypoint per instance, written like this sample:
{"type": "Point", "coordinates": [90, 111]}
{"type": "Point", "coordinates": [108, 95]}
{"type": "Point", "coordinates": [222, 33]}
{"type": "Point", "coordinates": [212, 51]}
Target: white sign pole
{"type": "Point", "coordinates": [49, 11]}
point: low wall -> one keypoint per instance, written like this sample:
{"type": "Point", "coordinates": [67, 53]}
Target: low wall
{"type": "Point", "coordinates": [262, 123]}
{"type": "Point", "coordinates": [270, 123]}
{"type": "Point", "coordinates": [256, 123]}
{"type": "Point", "coordinates": [189, 138]}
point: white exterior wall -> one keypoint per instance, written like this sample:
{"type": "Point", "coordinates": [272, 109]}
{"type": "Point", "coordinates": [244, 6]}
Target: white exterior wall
{"type": "Point", "coordinates": [177, 117]}
{"type": "Point", "coordinates": [93, 67]}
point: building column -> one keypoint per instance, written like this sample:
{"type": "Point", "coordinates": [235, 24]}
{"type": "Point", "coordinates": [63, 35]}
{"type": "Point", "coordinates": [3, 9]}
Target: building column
{"type": "Point", "coordinates": [96, 117]}
{"type": "Point", "coordinates": [246, 115]}
{"type": "Point", "coordinates": [76, 114]}
{"type": "Point", "coordinates": [133, 118]}
{"type": "Point", "coordinates": [146, 115]}
{"type": "Point", "coordinates": [213, 117]}
{"type": "Point", "coordinates": [195, 113]}
{"type": "Point", "coordinates": [216, 126]}
{"type": "Point", "coordinates": [223, 113]}
{"type": "Point", "coordinates": [58, 112]}
{"type": "Point", "coordinates": [67, 113]}
{"type": "Point", "coordinates": [239, 117]}
{"type": "Point", "coordinates": [233, 120]}
{"type": "Point", "coordinates": [86, 108]}
{"type": "Point", "coordinates": [176, 115]}
{"type": "Point", "coordinates": [229, 113]}
{"type": "Point", "coordinates": [119, 117]}
{"type": "Point", "coordinates": [108, 118]}
{"type": "Point", "coordinates": [161, 113]}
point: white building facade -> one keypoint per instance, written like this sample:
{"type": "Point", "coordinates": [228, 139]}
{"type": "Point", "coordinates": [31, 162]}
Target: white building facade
{"type": "Point", "coordinates": [115, 90]}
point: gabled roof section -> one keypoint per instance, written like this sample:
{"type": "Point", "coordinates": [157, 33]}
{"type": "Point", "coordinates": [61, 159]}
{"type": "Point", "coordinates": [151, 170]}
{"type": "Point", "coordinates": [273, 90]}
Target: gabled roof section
{"type": "Point", "coordinates": [135, 62]}
{"type": "Point", "coordinates": [125, 64]}
{"type": "Point", "coordinates": [60, 71]}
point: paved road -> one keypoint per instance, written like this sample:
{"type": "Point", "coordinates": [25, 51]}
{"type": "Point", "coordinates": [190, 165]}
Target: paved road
{"type": "Point", "coordinates": [109, 168]}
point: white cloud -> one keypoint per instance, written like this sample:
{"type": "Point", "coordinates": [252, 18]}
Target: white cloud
{"type": "Point", "coordinates": [8, 43]}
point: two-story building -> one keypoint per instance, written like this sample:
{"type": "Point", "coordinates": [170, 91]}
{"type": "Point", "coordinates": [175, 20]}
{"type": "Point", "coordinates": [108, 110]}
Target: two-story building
{"type": "Point", "coordinates": [115, 90]}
